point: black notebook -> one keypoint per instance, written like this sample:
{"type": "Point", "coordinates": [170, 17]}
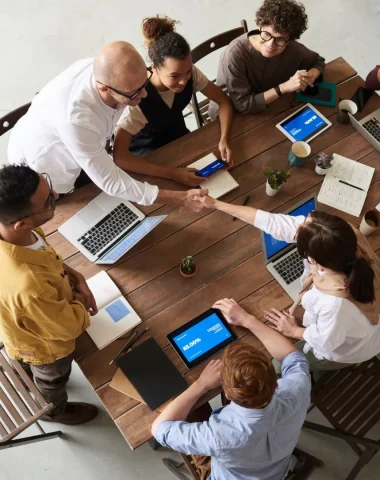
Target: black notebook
{"type": "Point", "coordinates": [152, 374]}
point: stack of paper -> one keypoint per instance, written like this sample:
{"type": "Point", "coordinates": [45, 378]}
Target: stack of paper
{"type": "Point", "coordinates": [115, 316]}
{"type": "Point", "coordinates": [346, 185]}
{"type": "Point", "coordinates": [219, 183]}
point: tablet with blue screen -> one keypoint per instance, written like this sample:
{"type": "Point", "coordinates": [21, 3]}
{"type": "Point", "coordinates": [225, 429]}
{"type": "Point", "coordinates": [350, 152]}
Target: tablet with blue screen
{"type": "Point", "coordinates": [200, 338]}
{"type": "Point", "coordinates": [304, 124]}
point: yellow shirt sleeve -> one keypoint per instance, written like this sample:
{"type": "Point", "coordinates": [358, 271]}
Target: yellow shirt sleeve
{"type": "Point", "coordinates": [51, 319]}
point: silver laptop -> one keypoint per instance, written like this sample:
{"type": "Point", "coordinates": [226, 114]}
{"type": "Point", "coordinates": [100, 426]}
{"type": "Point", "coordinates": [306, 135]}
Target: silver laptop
{"type": "Point", "coordinates": [281, 258]}
{"type": "Point", "coordinates": [369, 127]}
{"type": "Point", "coordinates": [107, 228]}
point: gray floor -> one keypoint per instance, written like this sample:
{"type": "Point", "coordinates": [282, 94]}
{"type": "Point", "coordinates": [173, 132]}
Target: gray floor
{"type": "Point", "coordinates": [40, 38]}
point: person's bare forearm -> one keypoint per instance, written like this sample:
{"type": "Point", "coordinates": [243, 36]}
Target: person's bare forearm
{"type": "Point", "coordinates": [247, 214]}
{"type": "Point", "coordinates": [180, 407]}
{"type": "Point", "coordinates": [226, 114]}
{"type": "Point", "coordinates": [276, 344]}
{"type": "Point", "coordinates": [131, 163]}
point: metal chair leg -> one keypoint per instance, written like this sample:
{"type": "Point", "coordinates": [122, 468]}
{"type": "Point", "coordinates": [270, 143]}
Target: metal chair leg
{"type": "Point", "coordinates": [175, 468]}
{"type": "Point", "coordinates": [32, 439]}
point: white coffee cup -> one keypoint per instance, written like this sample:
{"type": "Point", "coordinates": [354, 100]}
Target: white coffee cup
{"type": "Point", "coordinates": [344, 108]}
{"type": "Point", "coordinates": [370, 222]}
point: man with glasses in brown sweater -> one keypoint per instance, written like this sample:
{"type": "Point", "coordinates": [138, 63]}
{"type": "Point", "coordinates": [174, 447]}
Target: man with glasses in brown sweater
{"type": "Point", "coordinates": [259, 67]}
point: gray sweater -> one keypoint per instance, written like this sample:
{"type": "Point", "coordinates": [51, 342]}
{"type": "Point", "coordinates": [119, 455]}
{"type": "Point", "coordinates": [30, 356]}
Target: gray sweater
{"type": "Point", "coordinates": [246, 74]}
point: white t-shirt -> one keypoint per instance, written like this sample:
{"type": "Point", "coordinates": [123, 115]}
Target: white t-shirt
{"type": "Point", "coordinates": [66, 130]}
{"type": "Point", "coordinates": [39, 244]}
{"type": "Point", "coordinates": [335, 327]}
{"type": "Point", "coordinates": [133, 120]}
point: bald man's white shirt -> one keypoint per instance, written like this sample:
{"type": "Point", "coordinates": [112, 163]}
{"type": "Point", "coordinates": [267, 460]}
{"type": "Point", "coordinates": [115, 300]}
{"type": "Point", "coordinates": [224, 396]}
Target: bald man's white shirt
{"type": "Point", "coordinates": [66, 130]}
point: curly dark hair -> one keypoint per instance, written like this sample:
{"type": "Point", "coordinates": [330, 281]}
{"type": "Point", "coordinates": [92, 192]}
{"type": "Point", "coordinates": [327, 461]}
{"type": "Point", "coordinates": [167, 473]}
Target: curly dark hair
{"type": "Point", "coordinates": [284, 15]}
{"type": "Point", "coordinates": [162, 40]}
{"type": "Point", "coordinates": [18, 183]}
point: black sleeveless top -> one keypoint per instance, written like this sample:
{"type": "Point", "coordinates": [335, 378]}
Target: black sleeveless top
{"type": "Point", "coordinates": [164, 124]}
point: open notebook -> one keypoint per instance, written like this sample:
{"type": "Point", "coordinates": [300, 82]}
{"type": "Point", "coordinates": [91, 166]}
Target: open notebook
{"type": "Point", "coordinates": [346, 185]}
{"type": "Point", "coordinates": [115, 316]}
{"type": "Point", "coordinates": [218, 184]}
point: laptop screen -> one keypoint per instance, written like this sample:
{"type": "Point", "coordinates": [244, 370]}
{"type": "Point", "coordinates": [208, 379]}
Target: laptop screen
{"type": "Point", "coordinates": [274, 246]}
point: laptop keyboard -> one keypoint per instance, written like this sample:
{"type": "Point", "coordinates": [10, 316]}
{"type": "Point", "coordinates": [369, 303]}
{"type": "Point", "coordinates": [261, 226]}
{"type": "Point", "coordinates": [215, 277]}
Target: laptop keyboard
{"type": "Point", "coordinates": [108, 229]}
{"type": "Point", "coordinates": [290, 268]}
{"type": "Point", "coordinates": [373, 127]}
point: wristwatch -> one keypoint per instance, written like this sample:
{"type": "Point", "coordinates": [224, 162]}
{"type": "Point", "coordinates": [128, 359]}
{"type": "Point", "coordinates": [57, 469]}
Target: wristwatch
{"type": "Point", "coordinates": [278, 90]}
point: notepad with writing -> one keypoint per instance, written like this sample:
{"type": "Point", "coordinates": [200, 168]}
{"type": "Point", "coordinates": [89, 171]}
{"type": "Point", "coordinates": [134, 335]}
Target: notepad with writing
{"type": "Point", "coordinates": [219, 183]}
{"type": "Point", "coordinates": [115, 316]}
{"type": "Point", "coordinates": [346, 185]}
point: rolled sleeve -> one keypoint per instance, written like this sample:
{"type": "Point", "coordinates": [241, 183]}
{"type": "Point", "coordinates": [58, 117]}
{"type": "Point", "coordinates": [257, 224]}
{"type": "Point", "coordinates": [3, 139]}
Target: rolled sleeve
{"type": "Point", "coordinates": [91, 156]}
{"type": "Point", "coordinates": [295, 373]}
{"type": "Point", "coordinates": [280, 226]}
{"type": "Point", "coordinates": [191, 438]}
{"type": "Point", "coordinates": [244, 99]}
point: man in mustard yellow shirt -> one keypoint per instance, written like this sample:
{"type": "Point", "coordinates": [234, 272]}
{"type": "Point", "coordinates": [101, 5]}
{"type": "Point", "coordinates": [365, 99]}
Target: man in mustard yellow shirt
{"type": "Point", "coordinates": [44, 304]}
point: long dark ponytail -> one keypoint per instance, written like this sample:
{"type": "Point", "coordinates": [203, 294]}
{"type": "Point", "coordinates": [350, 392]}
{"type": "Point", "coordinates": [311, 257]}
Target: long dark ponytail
{"type": "Point", "coordinates": [332, 243]}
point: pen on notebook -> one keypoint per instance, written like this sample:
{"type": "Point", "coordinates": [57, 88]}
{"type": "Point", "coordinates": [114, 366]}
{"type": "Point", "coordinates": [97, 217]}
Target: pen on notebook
{"type": "Point", "coordinates": [353, 186]}
{"type": "Point", "coordinates": [243, 204]}
{"type": "Point", "coordinates": [129, 342]}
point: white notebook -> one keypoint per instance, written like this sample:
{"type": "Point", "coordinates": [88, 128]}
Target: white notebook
{"type": "Point", "coordinates": [346, 185]}
{"type": "Point", "coordinates": [115, 316]}
{"type": "Point", "coordinates": [219, 183]}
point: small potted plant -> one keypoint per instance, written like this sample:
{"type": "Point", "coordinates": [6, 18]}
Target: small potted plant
{"type": "Point", "coordinates": [323, 163]}
{"type": "Point", "coordinates": [187, 267]}
{"type": "Point", "coordinates": [275, 178]}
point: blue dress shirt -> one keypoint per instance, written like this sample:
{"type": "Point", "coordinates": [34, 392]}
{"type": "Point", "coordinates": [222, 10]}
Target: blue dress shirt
{"type": "Point", "coordinates": [249, 444]}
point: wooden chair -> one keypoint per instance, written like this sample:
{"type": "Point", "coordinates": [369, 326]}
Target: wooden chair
{"type": "Point", "coordinates": [303, 468]}
{"type": "Point", "coordinates": [10, 119]}
{"type": "Point", "coordinates": [21, 405]}
{"type": "Point", "coordinates": [350, 401]}
{"type": "Point", "coordinates": [211, 45]}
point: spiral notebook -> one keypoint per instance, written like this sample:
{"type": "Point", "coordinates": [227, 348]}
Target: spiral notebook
{"type": "Point", "coordinates": [346, 185]}
{"type": "Point", "coordinates": [219, 183]}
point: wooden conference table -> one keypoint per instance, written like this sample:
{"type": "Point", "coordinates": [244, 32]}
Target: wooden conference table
{"type": "Point", "coordinates": [227, 253]}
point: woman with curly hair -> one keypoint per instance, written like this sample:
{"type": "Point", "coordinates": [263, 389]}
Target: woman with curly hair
{"type": "Point", "coordinates": [158, 119]}
{"type": "Point", "coordinates": [259, 67]}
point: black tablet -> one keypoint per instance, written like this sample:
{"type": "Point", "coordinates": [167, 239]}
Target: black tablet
{"type": "Point", "coordinates": [200, 338]}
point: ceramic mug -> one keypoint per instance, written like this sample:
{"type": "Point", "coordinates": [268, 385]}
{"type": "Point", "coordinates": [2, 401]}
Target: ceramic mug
{"type": "Point", "coordinates": [344, 108]}
{"type": "Point", "coordinates": [298, 154]}
{"type": "Point", "coordinates": [370, 222]}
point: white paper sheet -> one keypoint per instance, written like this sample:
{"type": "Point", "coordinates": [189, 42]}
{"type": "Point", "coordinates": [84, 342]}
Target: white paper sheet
{"type": "Point", "coordinates": [348, 198]}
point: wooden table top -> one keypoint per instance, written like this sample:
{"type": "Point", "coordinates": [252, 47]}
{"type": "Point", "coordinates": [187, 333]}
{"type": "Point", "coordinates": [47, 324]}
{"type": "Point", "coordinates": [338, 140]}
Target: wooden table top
{"type": "Point", "coordinates": [227, 253]}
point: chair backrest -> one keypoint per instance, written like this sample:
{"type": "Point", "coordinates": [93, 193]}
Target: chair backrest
{"type": "Point", "coordinates": [21, 403]}
{"type": "Point", "coordinates": [10, 119]}
{"type": "Point", "coordinates": [219, 41]}
{"type": "Point", "coordinates": [350, 398]}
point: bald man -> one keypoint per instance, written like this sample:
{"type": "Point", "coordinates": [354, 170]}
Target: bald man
{"type": "Point", "coordinates": [70, 121]}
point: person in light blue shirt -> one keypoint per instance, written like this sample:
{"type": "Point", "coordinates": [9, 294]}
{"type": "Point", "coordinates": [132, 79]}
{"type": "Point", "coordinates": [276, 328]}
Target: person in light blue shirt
{"type": "Point", "coordinates": [254, 436]}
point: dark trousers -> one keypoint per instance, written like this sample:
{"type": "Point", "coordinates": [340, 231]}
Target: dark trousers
{"type": "Point", "coordinates": [51, 380]}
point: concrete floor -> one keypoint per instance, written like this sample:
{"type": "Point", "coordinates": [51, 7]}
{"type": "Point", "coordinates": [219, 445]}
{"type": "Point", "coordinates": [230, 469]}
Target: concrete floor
{"type": "Point", "coordinates": [40, 38]}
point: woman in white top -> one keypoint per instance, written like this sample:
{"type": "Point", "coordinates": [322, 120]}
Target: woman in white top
{"type": "Point", "coordinates": [340, 297]}
{"type": "Point", "coordinates": [158, 118]}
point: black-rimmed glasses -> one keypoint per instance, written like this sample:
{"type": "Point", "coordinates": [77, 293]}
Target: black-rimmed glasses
{"type": "Point", "coordinates": [137, 92]}
{"type": "Point", "coordinates": [279, 41]}
{"type": "Point", "coordinates": [50, 201]}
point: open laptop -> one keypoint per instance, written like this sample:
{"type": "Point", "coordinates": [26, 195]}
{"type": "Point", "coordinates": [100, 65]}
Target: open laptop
{"type": "Point", "coordinates": [281, 258]}
{"type": "Point", "coordinates": [369, 127]}
{"type": "Point", "coordinates": [107, 228]}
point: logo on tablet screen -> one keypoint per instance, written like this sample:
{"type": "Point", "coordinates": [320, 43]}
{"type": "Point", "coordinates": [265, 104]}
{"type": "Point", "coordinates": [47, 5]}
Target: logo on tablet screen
{"type": "Point", "coordinates": [191, 344]}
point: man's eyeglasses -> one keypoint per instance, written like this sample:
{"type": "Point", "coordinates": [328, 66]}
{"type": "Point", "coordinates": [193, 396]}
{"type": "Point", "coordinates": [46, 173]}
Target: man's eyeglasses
{"type": "Point", "coordinates": [279, 41]}
{"type": "Point", "coordinates": [137, 92]}
{"type": "Point", "coordinates": [50, 201]}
